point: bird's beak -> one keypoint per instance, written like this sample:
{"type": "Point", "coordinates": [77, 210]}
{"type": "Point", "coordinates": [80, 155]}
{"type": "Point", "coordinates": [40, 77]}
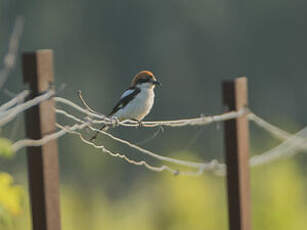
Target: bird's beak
{"type": "Point", "coordinates": [156, 83]}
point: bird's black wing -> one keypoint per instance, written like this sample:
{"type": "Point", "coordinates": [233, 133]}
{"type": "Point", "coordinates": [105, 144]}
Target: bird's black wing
{"type": "Point", "coordinates": [126, 97]}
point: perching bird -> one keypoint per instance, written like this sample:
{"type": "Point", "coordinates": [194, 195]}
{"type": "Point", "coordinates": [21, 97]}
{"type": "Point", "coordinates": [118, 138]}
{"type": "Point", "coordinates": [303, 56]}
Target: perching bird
{"type": "Point", "coordinates": [136, 102]}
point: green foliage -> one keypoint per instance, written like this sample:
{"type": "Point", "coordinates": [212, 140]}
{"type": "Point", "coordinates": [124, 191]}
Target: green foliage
{"type": "Point", "coordinates": [11, 197]}
{"type": "Point", "coordinates": [278, 197]}
{"type": "Point", "coordinates": [168, 202]}
{"type": "Point", "coordinates": [6, 148]}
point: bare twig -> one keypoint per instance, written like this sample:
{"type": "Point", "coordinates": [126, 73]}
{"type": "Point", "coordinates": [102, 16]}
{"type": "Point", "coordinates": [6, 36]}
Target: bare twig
{"type": "Point", "coordinates": [78, 108]}
{"type": "Point", "coordinates": [84, 103]}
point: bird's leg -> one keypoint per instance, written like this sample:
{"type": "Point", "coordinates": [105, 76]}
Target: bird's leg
{"type": "Point", "coordinates": [115, 122]}
{"type": "Point", "coordinates": [140, 123]}
{"type": "Point", "coordinates": [96, 133]}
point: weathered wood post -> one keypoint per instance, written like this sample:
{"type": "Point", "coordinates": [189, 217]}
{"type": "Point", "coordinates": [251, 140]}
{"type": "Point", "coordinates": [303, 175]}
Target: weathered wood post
{"type": "Point", "coordinates": [237, 156]}
{"type": "Point", "coordinates": [43, 166]}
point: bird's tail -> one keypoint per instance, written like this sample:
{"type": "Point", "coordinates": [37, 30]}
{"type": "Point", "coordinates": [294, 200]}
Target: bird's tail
{"type": "Point", "coordinates": [103, 128]}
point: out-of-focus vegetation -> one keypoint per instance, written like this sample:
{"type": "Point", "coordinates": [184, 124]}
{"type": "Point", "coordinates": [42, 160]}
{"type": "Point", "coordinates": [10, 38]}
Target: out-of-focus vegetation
{"type": "Point", "coordinates": [11, 196]}
{"type": "Point", "coordinates": [278, 202]}
{"type": "Point", "coordinates": [5, 148]}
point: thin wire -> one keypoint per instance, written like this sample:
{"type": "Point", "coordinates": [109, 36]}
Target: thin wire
{"type": "Point", "coordinates": [151, 137]}
{"type": "Point", "coordinates": [10, 114]}
{"type": "Point", "coordinates": [194, 138]}
{"type": "Point", "coordinates": [15, 100]}
{"type": "Point", "coordinates": [138, 163]}
{"type": "Point", "coordinates": [288, 148]}
{"type": "Point", "coordinates": [274, 130]}
{"type": "Point", "coordinates": [171, 123]}
{"type": "Point", "coordinates": [292, 144]}
{"type": "Point", "coordinates": [10, 57]}
{"type": "Point", "coordinates": [140, 149]}
{"type": "Point", "coordinates": [199, 120]}
{"type": "Point", "coordinates": [18, 145]}
{"type": "Point", "coordinates": [183, 122]}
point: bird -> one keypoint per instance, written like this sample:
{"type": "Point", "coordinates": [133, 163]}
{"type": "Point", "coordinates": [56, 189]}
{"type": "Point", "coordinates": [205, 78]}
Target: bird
{"type": "Point", "coordinates": [137, 101]}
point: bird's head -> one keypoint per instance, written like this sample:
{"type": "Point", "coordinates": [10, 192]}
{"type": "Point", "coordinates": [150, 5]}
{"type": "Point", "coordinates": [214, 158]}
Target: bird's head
{"type": "Point", "coordinates": [145, 79]}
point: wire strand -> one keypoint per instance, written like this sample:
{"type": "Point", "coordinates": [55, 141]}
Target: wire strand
{"type": "Point", "coordinates": [138, 163]}
{"type": "Point", "coordinates": [18, 145]}
{"type": "Point", "coordinates": [206, 166]}
{"type": "Point", "coordinates": [204, 120]}
{"type": "Point", "coordinates": [291, 145]}
{"type": "Point", "coordinates": [10, 57]}
{"type": "Point", "coordinates": [274, 130]}
{"type": "Point", "coordinates": [10, 114]}
{"type": "Point", "coordinates": [15, 100]}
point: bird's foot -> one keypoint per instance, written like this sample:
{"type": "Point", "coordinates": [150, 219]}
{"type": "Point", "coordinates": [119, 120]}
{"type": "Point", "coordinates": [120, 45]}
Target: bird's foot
{"type": "Point", "coordinates": [140, 123]}
{"type": "Point", "coordinates": [115, 122]}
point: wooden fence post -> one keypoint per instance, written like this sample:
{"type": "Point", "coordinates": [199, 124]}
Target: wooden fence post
{"type": "Point", "coordinates": [43, 166]}
{"type": "Point", "coordinates": [237, 156]}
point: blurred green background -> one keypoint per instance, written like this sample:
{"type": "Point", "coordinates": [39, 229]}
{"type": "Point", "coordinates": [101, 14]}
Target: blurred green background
{"type": "Point", "coordinates": [191, 46]}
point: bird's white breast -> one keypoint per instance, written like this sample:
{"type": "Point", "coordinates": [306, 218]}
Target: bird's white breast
{"type": "Point", "coordinates": [139, 107]}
